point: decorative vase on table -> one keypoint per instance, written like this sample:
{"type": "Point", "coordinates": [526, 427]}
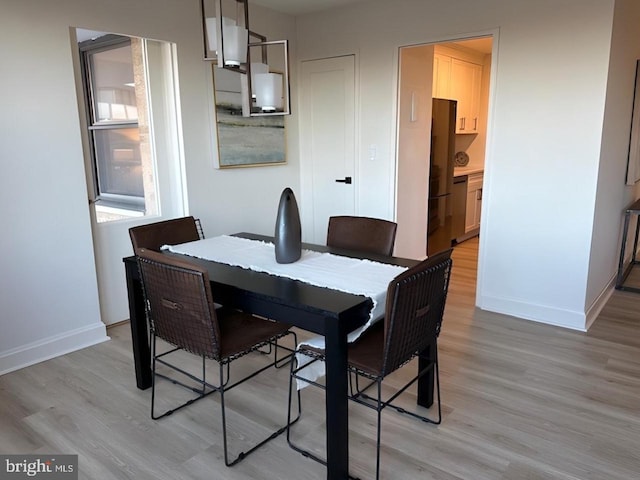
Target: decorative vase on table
{"type": "Point", "coordinates": [288, 237]}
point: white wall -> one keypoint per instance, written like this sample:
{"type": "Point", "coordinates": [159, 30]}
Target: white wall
{"type": "Point", "coordinates": [48, 292]}
{"type": "Point", "coordinates": [611, 201]}
{"type": "Point", "coordinates": [540, 181]}
{"type": "Point", "coordinates": [545, 127]}
{"type": "Point", "coordinates": [414, 148]}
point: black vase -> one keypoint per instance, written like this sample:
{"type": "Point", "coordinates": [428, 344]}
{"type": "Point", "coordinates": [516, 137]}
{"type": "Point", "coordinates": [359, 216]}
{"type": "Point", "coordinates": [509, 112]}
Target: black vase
{"type": "Point", "coordinates": [288, 237]}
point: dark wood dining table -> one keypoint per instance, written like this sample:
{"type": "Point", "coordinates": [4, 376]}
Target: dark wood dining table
{"type": "Point", "coordinates": [318, 310]}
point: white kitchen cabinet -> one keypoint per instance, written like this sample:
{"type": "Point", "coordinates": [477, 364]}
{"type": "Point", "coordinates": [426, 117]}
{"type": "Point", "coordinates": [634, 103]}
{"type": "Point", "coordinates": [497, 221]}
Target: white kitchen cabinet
{"type": "Point", "coordinates": [466, 82]}
{"type": "Point", "coordinates": [442, 76]}
{"type": "Point", "coordinates": [474, 202]}
{"type": "Point", "coordinates": [461, 80]}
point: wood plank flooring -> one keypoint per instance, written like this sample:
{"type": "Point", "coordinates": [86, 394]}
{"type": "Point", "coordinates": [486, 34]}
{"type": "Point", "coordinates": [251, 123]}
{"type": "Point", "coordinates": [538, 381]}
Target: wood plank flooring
{"type": "Point", "coordinates": [520, 400]}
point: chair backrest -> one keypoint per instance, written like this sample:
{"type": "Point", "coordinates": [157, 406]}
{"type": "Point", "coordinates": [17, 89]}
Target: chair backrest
{"type": "Point", "coordinates": [180, 306]}
{"type": "Point", "coordinates": [415, 305]}
{"type": "Point", "coordinates": [168, 232]}
{"type": "Point", "coordinates": [364, 234]}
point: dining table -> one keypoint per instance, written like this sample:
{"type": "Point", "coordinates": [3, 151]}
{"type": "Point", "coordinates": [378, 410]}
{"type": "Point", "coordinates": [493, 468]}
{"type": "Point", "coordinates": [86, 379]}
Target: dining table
{"type": "Point", "coordinates": [322, 311]}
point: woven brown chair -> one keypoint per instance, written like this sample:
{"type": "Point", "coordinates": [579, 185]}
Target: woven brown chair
{"type": "Point", "coordinates": [363, 234]}
{"type": "Point", "coordinates": [152, 236]}
{"type": "Point", "coordinates": [413, 316]}
{"type": "Point", "coordinates": [181, 311]}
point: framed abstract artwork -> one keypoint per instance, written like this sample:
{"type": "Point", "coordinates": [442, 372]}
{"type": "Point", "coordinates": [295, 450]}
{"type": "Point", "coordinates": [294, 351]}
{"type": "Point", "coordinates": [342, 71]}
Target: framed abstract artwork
{"type": "Point", "coordinates": [244, 141]}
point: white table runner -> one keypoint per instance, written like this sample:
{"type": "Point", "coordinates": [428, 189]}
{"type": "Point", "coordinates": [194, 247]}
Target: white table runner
{"type": "Point", "coordinates": [350, 275]}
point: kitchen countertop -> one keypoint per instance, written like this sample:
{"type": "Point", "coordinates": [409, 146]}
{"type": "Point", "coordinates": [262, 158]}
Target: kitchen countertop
{"type": "Point", "coordinates": [469, 170]}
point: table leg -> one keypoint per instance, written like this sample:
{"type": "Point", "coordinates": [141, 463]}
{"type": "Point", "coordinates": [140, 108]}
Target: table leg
{"type": "Point", "coordinates": [625, 229]}
{"type": "Point", "coordinates": [623, 272]}
{"type": "Point", "coordinates": [336, 401]}
{"type": "Point", "coordinates": [635, 241]}
{"type": "Point", "coordinates": [138, 323]}
{"type": "Point", "coordinates": [425, 383]}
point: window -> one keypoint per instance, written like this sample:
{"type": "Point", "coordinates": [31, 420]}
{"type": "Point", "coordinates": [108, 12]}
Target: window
{"type": "Point", "coordinates": [115, 91]}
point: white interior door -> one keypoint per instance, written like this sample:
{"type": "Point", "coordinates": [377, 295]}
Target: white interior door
{"type": "Point", "coordinates": [111, 238]}
{"type": "Point", "coordinates": [327, 134]}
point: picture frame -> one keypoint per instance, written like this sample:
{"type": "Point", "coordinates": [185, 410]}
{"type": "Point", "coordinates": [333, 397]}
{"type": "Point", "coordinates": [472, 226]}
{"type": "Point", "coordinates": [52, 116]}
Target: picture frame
{"type": "Point", "coordinates": [244, 141]}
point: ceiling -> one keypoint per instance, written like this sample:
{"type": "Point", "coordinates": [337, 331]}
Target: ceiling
{"type": "Point", "coordinates": [300, 7]}
{"type": "Point", "coordinates": [482, 45]}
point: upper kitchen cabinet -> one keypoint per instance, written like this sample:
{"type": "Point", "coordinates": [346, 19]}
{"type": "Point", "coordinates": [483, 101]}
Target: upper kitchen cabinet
{"type": "Point", "coordinates": [457, 75]}
{"type": "Point", "coordinates": [466, 82]}
{"type": "Point", "coordinates": [442, 76]}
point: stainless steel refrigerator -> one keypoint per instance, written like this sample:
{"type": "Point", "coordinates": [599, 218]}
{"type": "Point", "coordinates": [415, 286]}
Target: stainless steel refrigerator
{"type": "Point", "coordinates": [440, 205]}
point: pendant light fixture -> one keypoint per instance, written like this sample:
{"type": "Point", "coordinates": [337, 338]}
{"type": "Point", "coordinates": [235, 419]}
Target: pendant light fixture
{"type": "Point", "coordinates": [211, 29]}
{"type": "Point", "coordinates": [269, 86]}
{"type": "Point", "coordinates": [228, 41]}
{"type": "Point", "coordinates": [268, 91]}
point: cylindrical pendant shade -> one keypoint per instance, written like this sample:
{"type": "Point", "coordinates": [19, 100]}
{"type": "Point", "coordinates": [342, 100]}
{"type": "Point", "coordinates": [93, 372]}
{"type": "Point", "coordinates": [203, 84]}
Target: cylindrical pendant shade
{"type": "Point", "coordinates": [212, 28]}
{"type": "Point", "coordinates": [268, 91]}
{"type": "Point", "coordinates": [257, 68]}
{"type": "Point", "coordinates": [235, 40]}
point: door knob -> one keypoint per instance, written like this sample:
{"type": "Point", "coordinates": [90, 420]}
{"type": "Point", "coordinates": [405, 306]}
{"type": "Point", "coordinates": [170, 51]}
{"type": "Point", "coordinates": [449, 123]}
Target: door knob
{"type": "Point", "coordinates": [344, 180]}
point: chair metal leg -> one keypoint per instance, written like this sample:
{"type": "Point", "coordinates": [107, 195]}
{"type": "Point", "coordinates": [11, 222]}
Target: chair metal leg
{"type": "Point", "coordinates": [204, 374]}
{"type": "Point", "coordinates": [305, 453]}
{"type": "Point", "coordinates": [302, 451]}
{"type": "Point", "coordinates": [224, 420]}
{"type": "Point", "coordinates": [224, 385]}
{"type": "Point", "coordinates": [201, 392]}
{"type": "Point", "coordinates": [153, 374]}
{"type": "Point", "coordinates": [381, 405]}
{"type": "Point", "coordinates": [275, 434]}
{"type": "Point", "coordinates": [242, 455]}
{"type": "Point", "coordinates": [289, 422]}
{"type": "Point", "coordinates": [362, 397]}
{"type": "Point", "coordinates": [359, 396]}
{"type": "Point", "coordinates": [275, 345]}
{"type": "Point", "coordinates": [266, 351]}
{"type": "Point", "coordinates": [379, 412]}
{"type": "Point", "coordinates": [287, 358]}
{"type": "Point", "coordinates": [279, 363]}
{"type": "Point", "coordinates": [358, 391]}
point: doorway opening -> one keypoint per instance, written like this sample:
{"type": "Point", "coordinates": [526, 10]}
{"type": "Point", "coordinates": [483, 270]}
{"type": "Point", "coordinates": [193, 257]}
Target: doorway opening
{"type": "Point", "coordinates": [441, 199]}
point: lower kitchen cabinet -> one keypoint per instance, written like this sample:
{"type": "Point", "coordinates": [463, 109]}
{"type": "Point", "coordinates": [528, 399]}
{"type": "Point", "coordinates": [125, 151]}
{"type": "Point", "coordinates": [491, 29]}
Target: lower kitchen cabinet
{"type": "Point", "coordinates": [474, 202]}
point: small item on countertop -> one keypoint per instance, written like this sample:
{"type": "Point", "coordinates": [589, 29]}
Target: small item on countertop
{"type": "Point", "coordinates": [461, 159]}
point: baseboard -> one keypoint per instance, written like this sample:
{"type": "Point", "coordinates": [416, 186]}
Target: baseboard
{"type": "Point", "coordinates": [117, 324]}
{"type": "Point", "coordinates": [596, 307]}
{"type": "Point", "coordinates": [536, 313]}
{"type": "Point", "coordinates": [61, 344]}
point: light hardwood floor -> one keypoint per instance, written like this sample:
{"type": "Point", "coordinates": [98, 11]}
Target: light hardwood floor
{"type": "Point", "coordinates": [521, 400]}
